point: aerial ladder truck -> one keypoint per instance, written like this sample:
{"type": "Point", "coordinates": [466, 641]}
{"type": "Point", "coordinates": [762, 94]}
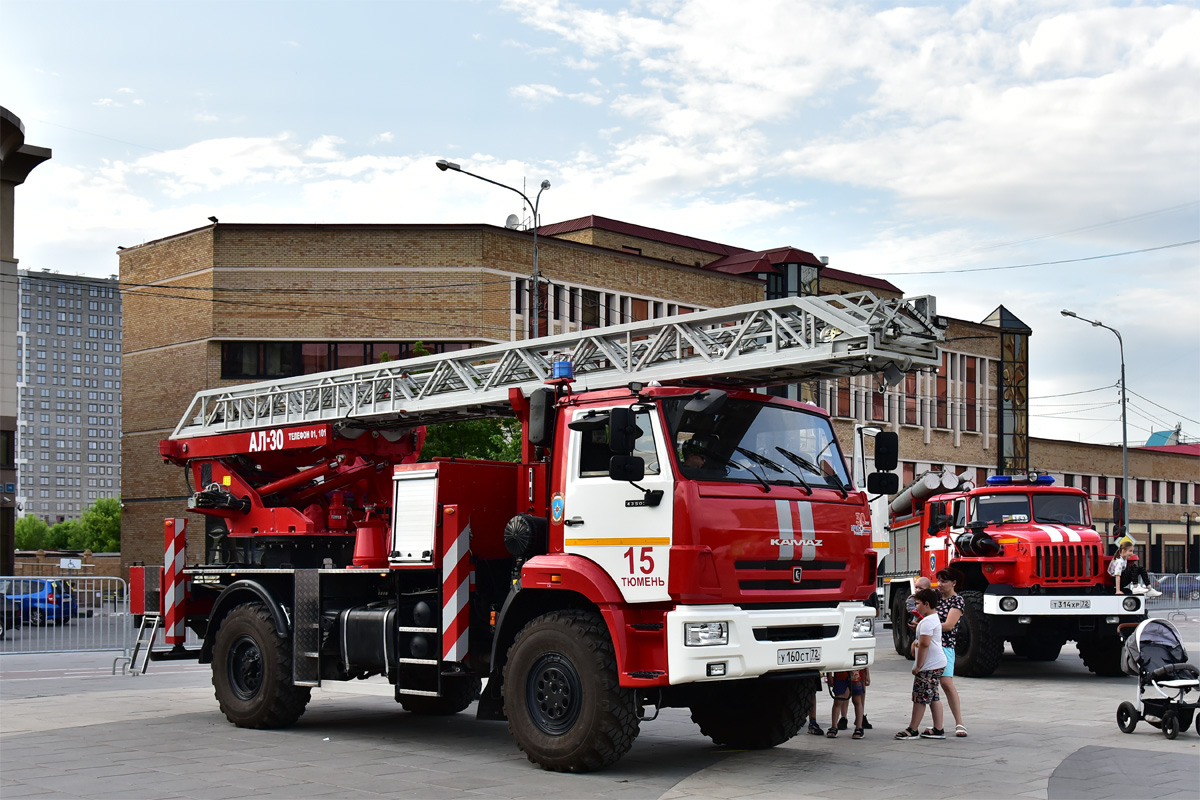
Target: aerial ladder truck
{"type": "Point", "coordinates": [672, 537]}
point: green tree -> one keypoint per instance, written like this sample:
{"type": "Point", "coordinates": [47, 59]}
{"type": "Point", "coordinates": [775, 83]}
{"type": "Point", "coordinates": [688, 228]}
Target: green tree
{"type": "Point", "coordinates": [60, 535]}
{"type": "Point", "coordinates": [493, 439]}
{"type": "Point", "coordinates": [100, 527]}
{"type": "Point", "coordinates": [31, 532]}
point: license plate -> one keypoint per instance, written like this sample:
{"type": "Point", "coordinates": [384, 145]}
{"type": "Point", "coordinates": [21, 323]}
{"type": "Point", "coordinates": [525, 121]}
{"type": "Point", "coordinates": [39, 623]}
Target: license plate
{"type": "Point", "coordinates": [1070, 603]}
{"type": "Point", "coordinates": [799, 655]}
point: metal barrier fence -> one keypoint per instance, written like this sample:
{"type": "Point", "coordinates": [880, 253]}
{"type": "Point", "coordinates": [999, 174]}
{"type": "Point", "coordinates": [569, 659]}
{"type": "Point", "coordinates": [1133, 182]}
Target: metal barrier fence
{"type": "Point", "coordinates": [1180, 592]}
{"type": "Point", "coordinates": [65, 613]}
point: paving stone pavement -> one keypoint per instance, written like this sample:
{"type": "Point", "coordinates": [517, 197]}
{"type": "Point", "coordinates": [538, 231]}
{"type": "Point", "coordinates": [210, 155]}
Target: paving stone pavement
{"type": "Point", "coordinates": [69, 729]}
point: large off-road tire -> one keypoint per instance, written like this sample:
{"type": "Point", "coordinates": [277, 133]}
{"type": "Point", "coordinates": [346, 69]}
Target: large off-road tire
{"type": "Point", "coordinates": [252, 671]}
{"type": "Point", "coordinates": [562, 695]}
{"type": "Point", "coordinates": [902, 635]}
{"type": "Point", "coordinates": [978, 651]}
{"type": "Point", "coordinates": [458, 692]}
{"type": "Point", "coordinates": [1102, 656]}
{"type": "Point", "coordinates": [752, 715]}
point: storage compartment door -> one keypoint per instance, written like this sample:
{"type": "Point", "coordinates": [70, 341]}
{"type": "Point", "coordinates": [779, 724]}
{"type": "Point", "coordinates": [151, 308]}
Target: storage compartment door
{"type": "Point", "coordinates": [414, 517]}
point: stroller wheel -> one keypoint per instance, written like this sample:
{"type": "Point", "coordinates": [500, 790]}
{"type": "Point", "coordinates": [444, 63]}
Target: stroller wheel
{"type": "Point", "coordinates": [1127, 717]}
{"type": "Point", "coordinates": [1170, 724]}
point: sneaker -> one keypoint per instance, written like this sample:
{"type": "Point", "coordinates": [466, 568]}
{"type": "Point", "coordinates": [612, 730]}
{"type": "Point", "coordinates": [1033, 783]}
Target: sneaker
{"type": "Point", "coordinates": [867, 723]}
{"type": "Point", "coordinates": [842, 724]}
{"type": "Point", "coordinates": [1138, 589]}
{"type": "Point", "coordinates": [1152, 592]}
{"type": "Point", "coordinates": [933, 733]}
{"type": "Point", "coordinates": [814, 728]}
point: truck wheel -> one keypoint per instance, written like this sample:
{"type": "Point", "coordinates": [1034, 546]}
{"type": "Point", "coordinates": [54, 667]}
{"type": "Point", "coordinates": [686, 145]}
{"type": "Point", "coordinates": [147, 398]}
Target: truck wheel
{"type": "Point", "coordinates": [902, 635]}
{"type": "Point", "coordinates": [565, 705]}
{"type": "Point", "coordinates": [752, 715]}
{"type": "Point", "coordinates": [458, 692]}
{"type": "Point", "coordinates": [978, 650]}
{"type": "Point", "coordinates": [252, 671]}
{"type": "Point", "coordinates": [1102, 656]}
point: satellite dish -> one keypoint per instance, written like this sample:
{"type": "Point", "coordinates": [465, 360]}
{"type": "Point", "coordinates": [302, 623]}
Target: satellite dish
{"type": "Point", "coordinates": [513, 222]}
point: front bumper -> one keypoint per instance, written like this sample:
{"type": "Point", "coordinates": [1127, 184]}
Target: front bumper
{"type": "Point", "coordinates": [1048, 605]}
{"type": "Point", "coordinates": [750, 656]}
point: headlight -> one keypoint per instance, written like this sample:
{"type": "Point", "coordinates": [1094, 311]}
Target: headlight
{"type": "Point", "coordinates": [705, 634]}
{"type": "Point", "coordinates": [1008, 604]}
{"type": "Point", "coordinates": [863, 627]}
{"type": "Point", "coordinates": [1130, 604]}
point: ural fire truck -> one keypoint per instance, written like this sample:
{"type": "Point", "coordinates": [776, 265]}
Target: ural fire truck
{"type": "Point", "coordinates": [1036, 569]}
{"type": "Point", "coordinates": [670, 538]}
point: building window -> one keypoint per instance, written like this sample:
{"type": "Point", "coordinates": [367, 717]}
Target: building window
{"type": "Point", "coordinates": [1153, 491]}
{"type": "Point", "coordinates": [1140, 489]}
{"type": "Point", "coordinates": [349, 355]}
{"type": "Point", "coordinates": [1173, 558]}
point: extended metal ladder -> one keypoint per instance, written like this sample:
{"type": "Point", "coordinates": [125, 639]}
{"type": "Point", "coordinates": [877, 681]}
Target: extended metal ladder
{"type": "Point", "coordinates": [753, 345]}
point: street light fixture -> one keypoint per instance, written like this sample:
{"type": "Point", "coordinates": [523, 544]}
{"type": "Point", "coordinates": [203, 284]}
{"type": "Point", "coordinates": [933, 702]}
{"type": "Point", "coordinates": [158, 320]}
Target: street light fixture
{"type": "Point", "coordinates": [1124, 429]}
{"type": "Point", "coordinates": [444, 165]}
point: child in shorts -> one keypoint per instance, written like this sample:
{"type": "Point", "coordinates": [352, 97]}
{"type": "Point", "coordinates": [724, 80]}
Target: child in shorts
{"type": "Point", "coordinates": [931, 662]}
{"type": "Point", "coordinates": [849, 687]}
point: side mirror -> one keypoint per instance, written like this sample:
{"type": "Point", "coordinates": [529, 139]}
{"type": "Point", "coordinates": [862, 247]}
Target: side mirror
{"type": "Point", "coordinates": [707, 402]}
{"type": "Point", "coordinates": [937, 521]}
{"type": "Point", "coordinates": [623, 431]}
{"type": "Point", "coordinates": [887, 451]}
{"type": "Point", "coordinates": [627, 468]}
{"type": "Point", "coordinates": [883, 483]}
{"type": "Point", "coordinates": [541, 417]}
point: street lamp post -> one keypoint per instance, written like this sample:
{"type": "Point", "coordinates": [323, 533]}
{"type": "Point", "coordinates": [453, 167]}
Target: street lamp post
{"type": "Point", "coordinates": [1124, 429]}
{"type": "Point", "coordinates": [444, 165]}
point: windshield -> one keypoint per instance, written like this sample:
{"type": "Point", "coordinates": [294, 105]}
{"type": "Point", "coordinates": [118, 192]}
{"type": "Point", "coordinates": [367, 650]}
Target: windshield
{"type": "Point", "coordinates": [997, 509]}
{"type": "Point", "coordinates": [1061, 508]}
{"type": "Point", "coordinates": [747, 441]}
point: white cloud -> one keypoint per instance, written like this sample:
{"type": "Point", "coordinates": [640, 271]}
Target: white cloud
{"type": "Point", "coordinates": [125, 90]}
{"type": "Point", "coordinates": [387, 137]}
{"type": "Point", "coordinates": [535, 93]}
{"type": "Point", "coordinates": [201, 116]}
{"type": "Point", "coordinates": [325, 147]}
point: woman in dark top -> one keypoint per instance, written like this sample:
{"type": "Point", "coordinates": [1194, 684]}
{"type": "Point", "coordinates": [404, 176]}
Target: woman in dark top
{"type": "Point", "coordinates": [950, 610]}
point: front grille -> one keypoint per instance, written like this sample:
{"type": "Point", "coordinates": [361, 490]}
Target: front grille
{"type": "Point", "coordinates": [791, 633]}
{"type": "Point", "coordinates": [1067, 562]}
{"type": "Point", "coordinates": [765, 575]}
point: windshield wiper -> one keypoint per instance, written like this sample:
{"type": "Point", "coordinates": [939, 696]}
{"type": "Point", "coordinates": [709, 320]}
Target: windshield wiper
{"type": "Point", "coordinates": [801, 463]}
{"type": "Point", "coordinates": [763, 481]}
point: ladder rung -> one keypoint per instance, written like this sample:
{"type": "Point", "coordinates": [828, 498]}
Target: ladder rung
{"type": "Point", "coordinates": [425, 661]}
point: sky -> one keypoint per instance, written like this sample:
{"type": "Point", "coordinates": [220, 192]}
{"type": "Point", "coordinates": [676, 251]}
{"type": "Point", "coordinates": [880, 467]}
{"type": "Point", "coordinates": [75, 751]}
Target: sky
{"type": "Point", "coordinates": [1037, 154]}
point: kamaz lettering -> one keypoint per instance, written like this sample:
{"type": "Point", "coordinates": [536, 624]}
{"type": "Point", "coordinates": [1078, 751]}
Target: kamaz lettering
{"type": "Point", "coordinates": [796, 542]}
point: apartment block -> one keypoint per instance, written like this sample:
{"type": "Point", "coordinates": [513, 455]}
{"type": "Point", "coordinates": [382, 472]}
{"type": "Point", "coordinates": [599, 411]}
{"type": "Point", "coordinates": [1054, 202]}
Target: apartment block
{"type": "Point", "coordinates": [68, 382]}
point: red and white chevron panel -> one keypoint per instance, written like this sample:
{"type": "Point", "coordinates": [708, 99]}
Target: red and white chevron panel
{"type": "Point", "coordinates": [457, 576]}
{"type": "Point", "coordinates": [174, 561]}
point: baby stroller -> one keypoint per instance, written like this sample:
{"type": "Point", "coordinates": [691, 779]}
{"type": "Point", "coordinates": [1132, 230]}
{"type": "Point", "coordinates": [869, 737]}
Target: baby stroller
{"type": "Point", "coordinates": [1155, 654]}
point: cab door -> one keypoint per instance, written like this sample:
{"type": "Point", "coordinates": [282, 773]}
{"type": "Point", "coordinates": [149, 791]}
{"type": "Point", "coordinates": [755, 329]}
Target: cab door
{"type": "Point", "coordinates": [610, 522]}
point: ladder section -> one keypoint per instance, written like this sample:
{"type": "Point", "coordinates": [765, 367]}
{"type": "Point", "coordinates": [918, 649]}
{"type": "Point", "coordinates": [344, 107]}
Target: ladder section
{"type": "Point", "coordinates": [752, 345]}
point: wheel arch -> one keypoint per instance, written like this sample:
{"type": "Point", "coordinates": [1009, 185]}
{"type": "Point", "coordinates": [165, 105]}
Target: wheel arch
{"type": "Point", "coordinates": [239, 593]}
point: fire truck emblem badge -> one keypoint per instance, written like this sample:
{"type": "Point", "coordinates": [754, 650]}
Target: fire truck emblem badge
{"type": "Point", "coordinates": [861, 526]}
{"type": "Point", "coordinates": [556, 507]}
{"type": "Point", "coordinates": [797, 572]}
{"type": "Point", "coordinates": [932, 562]}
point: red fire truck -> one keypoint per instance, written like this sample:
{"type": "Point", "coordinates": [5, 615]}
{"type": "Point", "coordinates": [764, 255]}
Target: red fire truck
{"type": "Point", "coordinates": [670, 538]}
{"type": "Point", "coordinates": [1035, 567]}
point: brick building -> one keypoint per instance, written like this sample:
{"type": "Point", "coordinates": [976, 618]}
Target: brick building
{"type": "Point", "coordinates": [229, 303]}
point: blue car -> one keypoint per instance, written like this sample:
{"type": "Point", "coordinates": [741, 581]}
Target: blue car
{"type": "Point", "coordinates": [42, 600]}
